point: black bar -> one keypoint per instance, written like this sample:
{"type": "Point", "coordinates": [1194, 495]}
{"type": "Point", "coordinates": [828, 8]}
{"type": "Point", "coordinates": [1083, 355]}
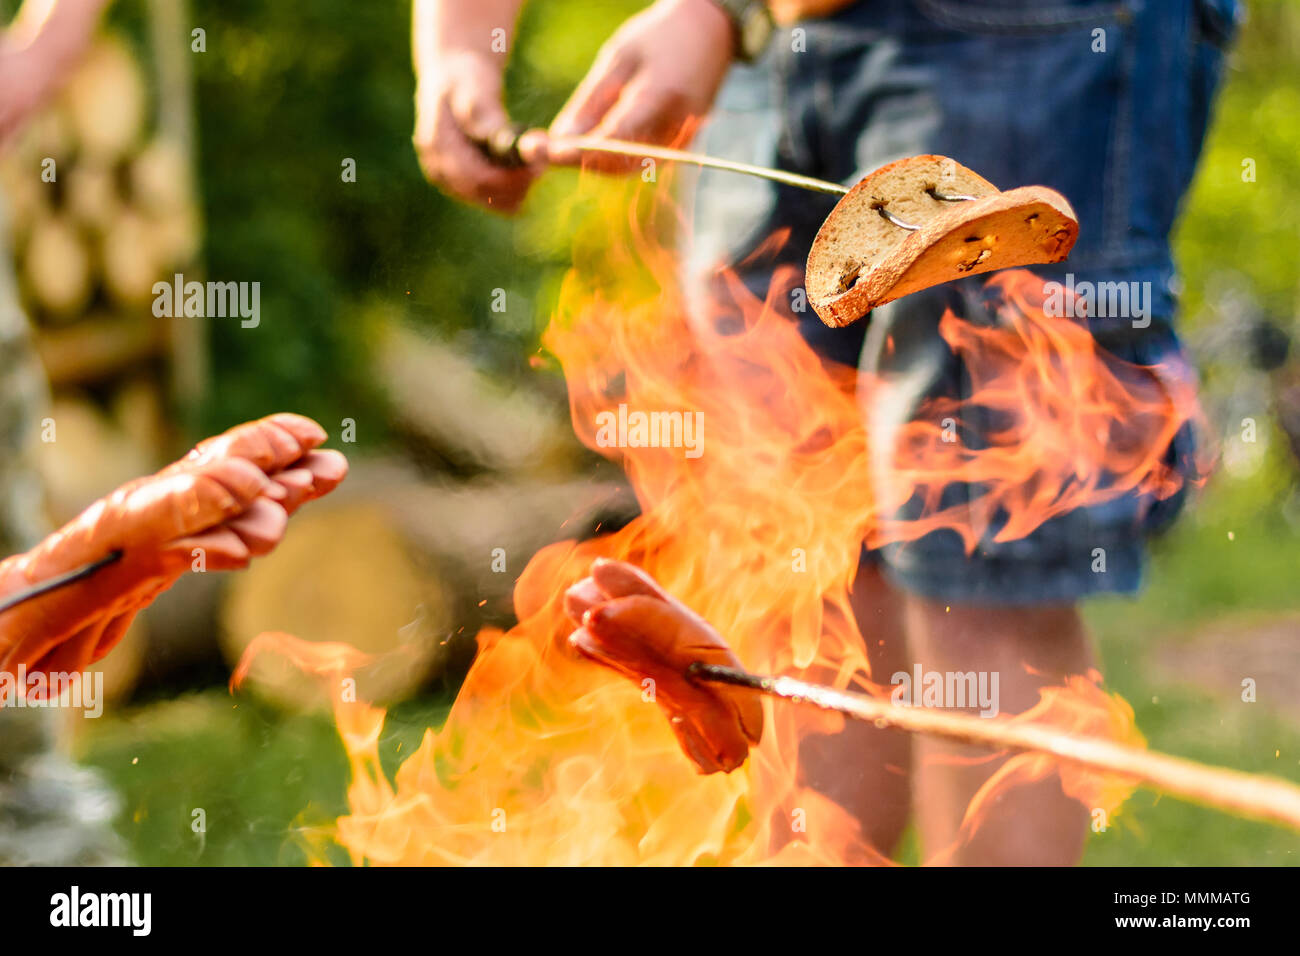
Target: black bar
{"type": "Point", "coordinates": [731, 910]}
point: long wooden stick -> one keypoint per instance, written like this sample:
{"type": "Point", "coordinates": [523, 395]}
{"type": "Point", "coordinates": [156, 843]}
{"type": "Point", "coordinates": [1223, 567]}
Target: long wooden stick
{"type": "Point", "coordinates": [503, 147]}
{"type": "Point", "coordinates": [1253, 795]}
{"type": "Point", "coordinates": [596, 144]}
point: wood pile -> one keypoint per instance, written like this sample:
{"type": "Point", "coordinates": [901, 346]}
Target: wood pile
{"type": "Point", "coordinates": [102, 207]}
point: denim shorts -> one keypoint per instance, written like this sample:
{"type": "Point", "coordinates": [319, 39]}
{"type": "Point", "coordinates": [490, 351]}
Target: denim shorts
{"type": "Point", "coordinates": [1106, 102]}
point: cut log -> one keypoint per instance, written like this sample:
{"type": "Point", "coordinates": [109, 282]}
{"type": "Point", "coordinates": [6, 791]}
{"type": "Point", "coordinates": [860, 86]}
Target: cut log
{"type": "Point", "coordinates": [99, 347]}
{"type": "Point", "coordinates": [56, 268]}
{"type": "Point", "coordinates": [88, 458]}
{"type": "Point", "coordinates": [466, 526]}
{"type": "Point", "coordinates": [132, 263]}
{"type": "Point", "coordinates": [49, 134]}
{"type": "Point", "coordinates": [106, 101]}
{"type": "Point", "coordinates": [345, 574]}
{"type": "Point", "coordinates": [28, 198]}
{"type": "Point", "coordinates": [138, 409]}
{"type": "Point", "coordinates": [160, 179]}
{"type": "Point", "coordinates": [175, 237]}
{"type": "Point", "coordinates": [91, 196]}
{"type": "Point", "coordinates": [440, 398]}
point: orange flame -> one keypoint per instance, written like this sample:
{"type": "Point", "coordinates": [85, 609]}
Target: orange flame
{"type": "Point", "coordinates": [1080, 707]}
{"type": "Point", "coordinates": [547, 759]}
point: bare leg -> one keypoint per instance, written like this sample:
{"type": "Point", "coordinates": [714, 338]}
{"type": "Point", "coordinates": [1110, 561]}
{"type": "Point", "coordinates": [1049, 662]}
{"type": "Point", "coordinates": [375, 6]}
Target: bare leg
{"type": "Point", "coordinates": [864, 769]}
{"type": "Point", "coordinates": [1031, 825]}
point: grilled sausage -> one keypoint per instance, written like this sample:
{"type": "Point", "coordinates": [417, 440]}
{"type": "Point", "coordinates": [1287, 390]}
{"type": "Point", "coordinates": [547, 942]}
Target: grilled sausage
{"type": "Point", "coordinates": [633, 626]}
{"type": "Point", "coordinates": [227, 501]}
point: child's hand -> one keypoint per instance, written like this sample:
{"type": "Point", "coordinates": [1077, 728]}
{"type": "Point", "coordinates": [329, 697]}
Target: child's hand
{"type": "Point", "coordinates": [660, 71]}
{"type": "Point", "coordinates": [458, 103]}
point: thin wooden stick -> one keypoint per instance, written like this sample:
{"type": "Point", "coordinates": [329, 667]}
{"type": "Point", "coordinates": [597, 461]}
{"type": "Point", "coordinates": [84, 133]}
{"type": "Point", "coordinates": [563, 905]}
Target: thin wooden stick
{"type": "Point", "coordinates": [1253, 795]}
{"type": "Point", "coordinates": [596, 144]}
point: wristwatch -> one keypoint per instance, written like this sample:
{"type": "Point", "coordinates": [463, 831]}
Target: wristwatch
{"type": "Point", "coordinates": [752, 23]}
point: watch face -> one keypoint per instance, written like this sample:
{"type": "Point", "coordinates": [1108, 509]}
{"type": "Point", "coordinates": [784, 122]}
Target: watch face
{"type": "Point", "coordinates": [755, 30]}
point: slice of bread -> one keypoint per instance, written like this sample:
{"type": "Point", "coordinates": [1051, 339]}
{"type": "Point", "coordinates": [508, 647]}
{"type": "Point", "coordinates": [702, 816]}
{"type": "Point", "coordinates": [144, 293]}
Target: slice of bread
{"type": "Point", "coordinates": [860, 259]}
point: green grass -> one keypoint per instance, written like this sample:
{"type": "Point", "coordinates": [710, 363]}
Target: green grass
{"type": "Point", "coordinates": [270, 783]}
{"type": "Point", "coordinates": [260, 778]}
{"type": "Point", "coordinates": [1200, 576]}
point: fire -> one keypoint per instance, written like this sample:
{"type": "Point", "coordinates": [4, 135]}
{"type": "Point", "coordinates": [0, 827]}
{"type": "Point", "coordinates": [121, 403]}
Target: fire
{"type": "Point", "coordinates": [1080, 707]}
{"type": "Point", "coordinates": [547, 759]}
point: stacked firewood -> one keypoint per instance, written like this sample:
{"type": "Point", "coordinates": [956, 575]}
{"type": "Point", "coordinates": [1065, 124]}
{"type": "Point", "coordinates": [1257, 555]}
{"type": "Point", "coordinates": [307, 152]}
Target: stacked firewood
{"type": "Point", "coordinates": [101, 210]}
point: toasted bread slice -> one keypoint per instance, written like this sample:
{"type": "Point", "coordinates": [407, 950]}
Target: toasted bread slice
{"type": "Point", "coordinates": [860, 259]}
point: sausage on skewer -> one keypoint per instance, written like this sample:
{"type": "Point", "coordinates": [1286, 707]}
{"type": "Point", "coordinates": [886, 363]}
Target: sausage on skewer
{"type": "Point", "coordinates": [222, 505]}
{"type": "Point", "coordinates": [632, 625]}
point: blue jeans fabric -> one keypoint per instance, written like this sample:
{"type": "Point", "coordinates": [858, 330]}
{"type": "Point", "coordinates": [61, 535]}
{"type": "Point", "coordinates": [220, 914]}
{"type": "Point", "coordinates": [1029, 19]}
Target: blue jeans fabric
{"type": "Point", "coordinates": [1107, 102]}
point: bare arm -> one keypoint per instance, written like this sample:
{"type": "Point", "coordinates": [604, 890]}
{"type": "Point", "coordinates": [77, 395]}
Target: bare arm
{"type": "Point", "coordinates": [440, 26]}
{"type": "Point", "coordinates": [37, 52]}
{"type": "Point", "coordinates": [59, 29]}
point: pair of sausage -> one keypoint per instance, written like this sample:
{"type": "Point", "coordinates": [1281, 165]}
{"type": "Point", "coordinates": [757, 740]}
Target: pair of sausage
{"type": "Point", "coordinates": [627, 622]}
{"type": "Point", "coordinates": [225, 503]}
{"type": "Point", "coordinates": [229, 501]}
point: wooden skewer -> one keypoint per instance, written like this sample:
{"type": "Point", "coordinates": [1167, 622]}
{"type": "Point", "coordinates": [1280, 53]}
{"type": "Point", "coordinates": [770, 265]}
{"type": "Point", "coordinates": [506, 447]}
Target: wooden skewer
{"type": "Point", "coordinates": [620, 147]}
{"type": "Point", "coordinates": [62, 580]}
{"type": "Point", "coordinates": [1258, 796]}
{"type": "Point", "coordinates": [503, 147]}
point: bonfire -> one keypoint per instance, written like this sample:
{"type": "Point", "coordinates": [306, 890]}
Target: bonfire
{"type": "Point", "coordinates": [547, 758]}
